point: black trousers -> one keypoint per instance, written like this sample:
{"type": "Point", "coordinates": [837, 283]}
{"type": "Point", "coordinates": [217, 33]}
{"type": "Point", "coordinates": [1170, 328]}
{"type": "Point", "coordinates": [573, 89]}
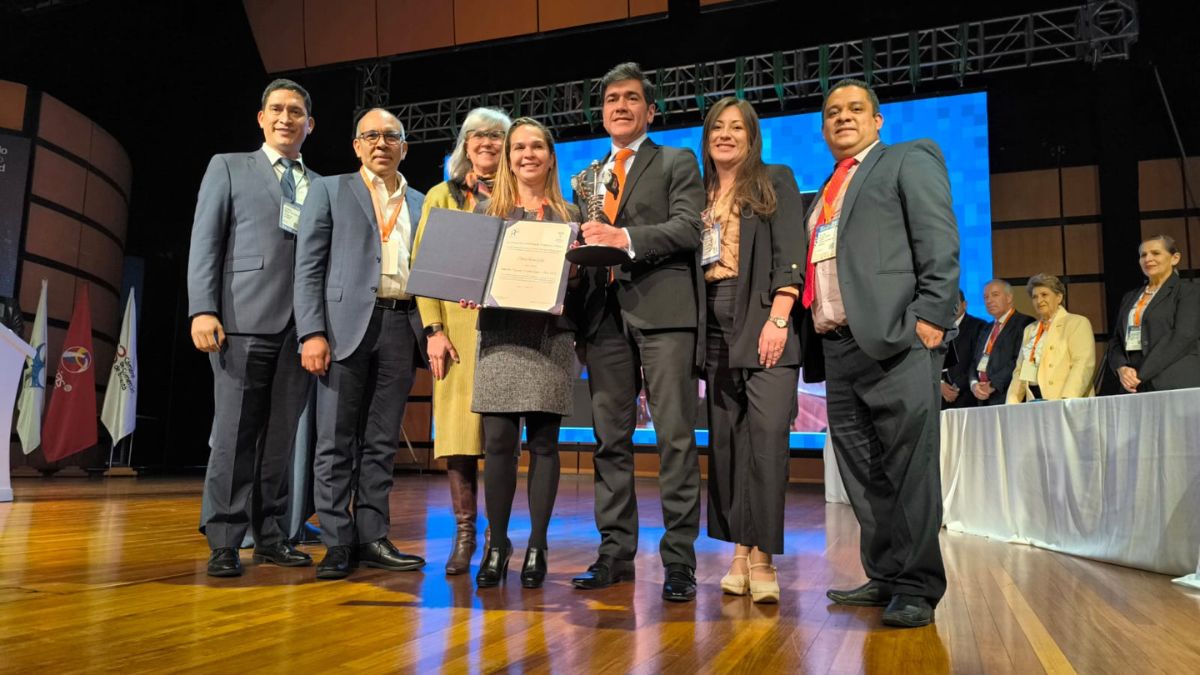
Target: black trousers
{"type": "Point", "coordinates": [750, 412]}
{"type": "Point", "coordinates": [619, 356]}
{"type": "Point", "coordinates": [360, 407]}
{"type": "Point", "coordinates": [259, 391]}
{"type": "Point", "coordinates": [884, 423]}
{"type": "Point", "coordinates": [501, 433]}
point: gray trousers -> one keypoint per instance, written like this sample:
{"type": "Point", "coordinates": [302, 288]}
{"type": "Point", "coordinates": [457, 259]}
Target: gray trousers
{"type": "Point", "coordinates": [360, 408]}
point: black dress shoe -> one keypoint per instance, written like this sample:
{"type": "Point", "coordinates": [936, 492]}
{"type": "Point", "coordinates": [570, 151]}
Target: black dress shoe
{"type": "Point", "coordinates": [382, 553]}
{"type": "Point", "coordinates": [603, 573]}
{"type": "Point", "coordinates": [908, 611]}
{"type": "Point", "coordinates": [680, 584]}
{"type": "Point", "coordinates": [224, 562]}
{"type": "Point", "coordinates": [871, 594]}
{"type": "Point", "coordinates": [337, 563]}
{"type": "Point", "coordinates": [494, 567]}
{"type": "Point", "coordinates": [282, 554]}
{"type": "Point", "coordinates": [533, 572]}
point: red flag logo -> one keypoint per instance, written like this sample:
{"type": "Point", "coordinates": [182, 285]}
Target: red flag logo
{"type": "Point", "coordinates": [71, 416]}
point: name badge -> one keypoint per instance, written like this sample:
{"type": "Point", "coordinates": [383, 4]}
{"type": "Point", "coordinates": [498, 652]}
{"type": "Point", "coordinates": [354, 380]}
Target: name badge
{"type": "Point", "coordinates": [710, 240]}
{"type": "Point", "coordinates": [1029, 371]}
{"type": "Point", "coordinates": [983, 363]}
{"type": "Point", "coordinates": [390, 263]}
{"type": "Point", "coordinates": [289, 216]}
{"type": "Point", "coordinates": [1133, 339]}
{"type": "Point", "coordinates": [825, 246]}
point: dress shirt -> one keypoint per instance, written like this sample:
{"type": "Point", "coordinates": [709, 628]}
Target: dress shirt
{"type": "Point", "coordinates": [396, 248]}
{"type": "Point", "coordinates": [298, 171]}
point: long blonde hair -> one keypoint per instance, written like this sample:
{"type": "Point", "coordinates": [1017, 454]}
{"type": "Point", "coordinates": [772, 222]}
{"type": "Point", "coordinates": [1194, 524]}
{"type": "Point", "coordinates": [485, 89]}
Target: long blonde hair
{"type": "Point", "coordinates": [505, 196]}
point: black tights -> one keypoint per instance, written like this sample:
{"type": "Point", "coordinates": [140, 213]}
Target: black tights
{"type": "Point", "coordinates": [501, 439]}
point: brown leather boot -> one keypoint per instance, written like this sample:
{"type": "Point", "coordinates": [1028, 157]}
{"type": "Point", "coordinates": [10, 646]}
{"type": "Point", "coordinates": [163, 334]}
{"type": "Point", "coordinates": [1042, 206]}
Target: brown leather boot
{"type": "Point", "coordinates": [463, 474]}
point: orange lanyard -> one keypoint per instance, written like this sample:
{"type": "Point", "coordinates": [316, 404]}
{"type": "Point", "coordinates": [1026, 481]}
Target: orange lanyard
{"type": "Point", "coordinates": [1137, 312]}
{"type": "Point", "coordinates": [996, 333]}
{"type": "Point", "coordinates": [1036, 340]}
{"type": "Point", "coordinates": [385, 229]}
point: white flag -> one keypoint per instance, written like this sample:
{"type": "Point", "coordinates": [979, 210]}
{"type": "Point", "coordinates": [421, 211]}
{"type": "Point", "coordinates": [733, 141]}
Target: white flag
{"type": "Point", "coordinates": [33, 383]}
{"type": "Point", "coordinates": [120, 399]}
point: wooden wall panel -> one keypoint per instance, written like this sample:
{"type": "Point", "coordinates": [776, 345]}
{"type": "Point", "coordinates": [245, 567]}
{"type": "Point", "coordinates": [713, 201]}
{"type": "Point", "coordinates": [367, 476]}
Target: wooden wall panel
{"type": "Point", "coordinates": [413, 25]}
{"type": "Point", "coordinates": [108, 157]}
{"type": "Point", "coordinates": [52, 235]}
{"type": "Point", "coordinates": [422, 384]}
{"type": "Point", "coordinates": [417, 417]}
{"type": "Point", "coordinates": [1025, 195]}
{"type": "Point", "coordinates": [1174, 228]}
{"type": "Point", "coordinates": [12, 105]}
{"type": "Point", "coordinates": [100, 256]}
{"type": "Point", "coordinates": [339, 31]}
{"type": "Point", "coordinates": [65, 127]}
{"type": "Point", "coordinates": [58, 179]}
{"type": "Point", "coordinates": [556, 14]}
{"type": "Point", "coordinates": [106, 312]}
{"type": "Point", "coordinates": [480, 20]}
{"type": "Point", "coordinates": [1025, 251]}
{"type": "Point", "coordinates": [1081, 191]}
{"type": "Point", "coordinates": [1160, 185]}
{"type": "Point", "coordinates": [278, 27]}
{"type": "Point", "coordinates": [645, 7]}
{"type": "Point", "coordinates": [103, 204]}
{"type": "Point", "coordinates": [806, 470]}
{"type": "Point", "coordinates": [1088, 299]}
{"type": "Point", "coordinates": [60, 291]}
{"type": "Point", "coordinates": [1085, 249]}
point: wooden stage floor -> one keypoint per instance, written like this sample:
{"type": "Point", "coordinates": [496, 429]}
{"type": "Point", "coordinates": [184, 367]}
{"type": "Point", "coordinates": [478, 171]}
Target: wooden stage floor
{"type": "Point", "coordinates": [109, 575]}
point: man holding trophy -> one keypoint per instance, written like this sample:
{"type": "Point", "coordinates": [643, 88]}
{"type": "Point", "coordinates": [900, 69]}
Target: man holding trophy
{"type": "Point", "coordinates": [641, 318]}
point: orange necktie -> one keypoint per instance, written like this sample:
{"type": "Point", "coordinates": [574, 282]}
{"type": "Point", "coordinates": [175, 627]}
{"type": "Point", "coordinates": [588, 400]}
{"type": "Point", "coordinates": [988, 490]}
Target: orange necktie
{"type": "Point", "coordinates": [610, 202]}
{"type": "Point", "coordinates": [827, 201]}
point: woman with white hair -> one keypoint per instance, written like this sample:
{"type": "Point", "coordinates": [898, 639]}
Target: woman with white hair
{"type": "Point", "coordinates": [450, 330]}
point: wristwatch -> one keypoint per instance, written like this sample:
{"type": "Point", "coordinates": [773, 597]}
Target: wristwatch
{"type": "Point", "coordinates": [432, 329]}
{"type": "Point", "coordinates": [779, 321]}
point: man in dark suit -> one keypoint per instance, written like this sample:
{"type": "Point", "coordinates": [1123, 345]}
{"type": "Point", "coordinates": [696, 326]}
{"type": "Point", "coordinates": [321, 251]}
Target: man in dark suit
{"type": "Point", "coordinates": [880, 291]}
{"type": "Point", "coordinates": [360, 332]}
{"type": "Point", "coordinates": [642, 320]}
{"type": "Point", "coordinates": [240, 301]}
{"type": "Point", "coordinates": [999, 345]}
{"type": "Point", "coordinates": [960, 359]}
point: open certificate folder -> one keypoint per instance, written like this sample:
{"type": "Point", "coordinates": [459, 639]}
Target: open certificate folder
{"type": "Point", "coordinates": [514, 264]}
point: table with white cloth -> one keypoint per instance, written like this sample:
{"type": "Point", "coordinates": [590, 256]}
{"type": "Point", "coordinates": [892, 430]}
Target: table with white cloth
{"type": "Point", "coordinates": [1115, 479]}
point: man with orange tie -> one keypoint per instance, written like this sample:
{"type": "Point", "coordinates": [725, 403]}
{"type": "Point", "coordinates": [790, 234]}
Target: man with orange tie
{"type": "Point", "coordinates": [879, 296]}
{"type": "Point", "coordinates": [1000, 345]}
{"type": "Point", "coordinates": [361, 334]}
{"type": "Point", "coordinates": [641, 320]}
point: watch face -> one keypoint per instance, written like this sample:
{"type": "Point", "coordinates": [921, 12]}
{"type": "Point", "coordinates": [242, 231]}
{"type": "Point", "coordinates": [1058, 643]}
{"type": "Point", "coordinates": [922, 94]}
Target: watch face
{"type": "Point", "coordinates": [781, 323]}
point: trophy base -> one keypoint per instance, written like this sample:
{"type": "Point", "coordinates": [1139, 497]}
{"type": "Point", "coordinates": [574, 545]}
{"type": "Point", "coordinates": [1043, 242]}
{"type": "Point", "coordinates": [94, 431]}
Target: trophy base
{"type": "Point", "coordinates": [597, 255]}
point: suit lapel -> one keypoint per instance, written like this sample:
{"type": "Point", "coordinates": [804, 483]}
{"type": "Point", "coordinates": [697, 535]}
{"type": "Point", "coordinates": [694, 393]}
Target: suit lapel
{"type": "Point", "coordinates": [856, 182]}
{"type": "Point", "coordinates": [359, 189]}
{"type": "Point", "coordinates": [1167, 288]}
{"type": "Point", "coordinates": [262, 167]}
{"type": "Point", "coordinates": [641, 160]}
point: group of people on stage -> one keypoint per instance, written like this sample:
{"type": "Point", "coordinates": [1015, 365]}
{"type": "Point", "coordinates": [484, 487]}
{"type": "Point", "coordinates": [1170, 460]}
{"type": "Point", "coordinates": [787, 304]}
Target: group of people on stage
{"type": "Point", "coordinates": [732, 277]}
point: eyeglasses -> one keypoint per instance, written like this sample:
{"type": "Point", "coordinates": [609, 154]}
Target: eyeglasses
{"type": "Point", "coordinates": [489, 134]}
{"type": "Point", "coordinates": [389, 137]}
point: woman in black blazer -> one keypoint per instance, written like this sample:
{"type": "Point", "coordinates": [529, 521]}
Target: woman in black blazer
{"type": "Point", "coordinates": [754, 259]}
{"type": "Point", "coordinates": [1156, 343]}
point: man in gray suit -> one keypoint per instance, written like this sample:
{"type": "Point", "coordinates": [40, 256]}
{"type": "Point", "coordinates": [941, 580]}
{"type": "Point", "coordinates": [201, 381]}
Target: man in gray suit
{"type": "Point", "coordinates": [360, 332]}
{"type": "Point", "coordinates": [642, 320]}
{"type": "Point", "coordinates": [880, 294]}
{"type": "Point", "coordinates": [239, 299]}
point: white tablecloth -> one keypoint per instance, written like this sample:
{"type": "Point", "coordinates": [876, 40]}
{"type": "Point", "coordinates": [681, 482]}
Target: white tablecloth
{"type": "Point", "coordinates": [1115, 479]}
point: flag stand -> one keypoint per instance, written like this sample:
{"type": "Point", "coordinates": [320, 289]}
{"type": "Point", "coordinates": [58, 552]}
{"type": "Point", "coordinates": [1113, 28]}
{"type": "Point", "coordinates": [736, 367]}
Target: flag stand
{"type": "Point", "coordinates": [123, 469]}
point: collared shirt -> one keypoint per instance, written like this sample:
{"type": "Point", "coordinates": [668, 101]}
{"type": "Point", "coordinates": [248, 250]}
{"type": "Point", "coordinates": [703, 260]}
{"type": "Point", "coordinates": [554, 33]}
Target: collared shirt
{"type": "Point", "coordinates": [298, 171]}
{"type": "Point", "coordinates": [828, 312]}
{"type": "Point", "coordinates": [397, 246]}
{"type": "Point", "coordinates": [612, 157]}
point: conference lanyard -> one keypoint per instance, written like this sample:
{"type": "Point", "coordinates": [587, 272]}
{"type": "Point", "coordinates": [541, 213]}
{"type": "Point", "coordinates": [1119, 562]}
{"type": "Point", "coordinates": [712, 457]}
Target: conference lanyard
{"type": "Point", "coordinates": [1137, 311]}
{"type": "Point", "coordinates": [996, 334]}
{"type": "Point", "coordinates": [1036, 340]}
{"type": "Point", "coordinates": [385, 230]}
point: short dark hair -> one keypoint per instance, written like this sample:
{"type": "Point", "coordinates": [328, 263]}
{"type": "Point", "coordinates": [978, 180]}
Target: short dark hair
{"type": "Point", "coordinates": [627, 71]}
{"type": "Point", "coordinates": [852, 82]}
{"type": "Point", "coordinates": [290, 85]}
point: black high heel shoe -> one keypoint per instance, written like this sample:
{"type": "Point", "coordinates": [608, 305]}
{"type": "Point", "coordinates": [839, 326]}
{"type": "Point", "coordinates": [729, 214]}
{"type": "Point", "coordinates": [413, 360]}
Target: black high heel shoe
{"type": "Point", "coordinates": [533, 572]}
{"type": "Point", "coordinates": [494, 566]}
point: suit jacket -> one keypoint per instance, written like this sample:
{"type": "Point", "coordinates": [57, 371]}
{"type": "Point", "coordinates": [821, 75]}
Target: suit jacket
{"type": "Point", "coordinates": [338, 262]}
{"type": "Point", "coordinates": [1003, 357]}
{"type": "Point", "coordinates": [771, 255]}
{"type": "Point", "coordinates": [240, 262]}
{"type": "Point", "coordinates": [663, 287]}
{"type": "Point", "coordinates": [1068, 359]}
{"type": "Point", "coordinates": [897, 252]}
{"type": "Point", "coordinates": [962, 368]}
{"type": "Point", "coordinates": [1170, 336]}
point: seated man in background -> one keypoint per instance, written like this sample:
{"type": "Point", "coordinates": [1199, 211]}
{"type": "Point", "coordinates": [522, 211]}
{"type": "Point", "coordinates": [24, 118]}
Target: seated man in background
{"type": "Point", "coordinates": [956, 376]}
{"type": "Point", "coordinates": [996, 354]}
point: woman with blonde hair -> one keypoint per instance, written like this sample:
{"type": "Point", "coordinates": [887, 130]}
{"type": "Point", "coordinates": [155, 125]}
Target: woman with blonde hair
{"type": "Point", "coordinates": [1058, 353]}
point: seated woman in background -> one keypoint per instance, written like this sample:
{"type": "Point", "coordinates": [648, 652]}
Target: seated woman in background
{"type": "Point", "coordinates": [1156, 343]}
{"type": "Point", "coordinates": [525, 367]}
{"type": "Point", "coordinates": [1058, 353]}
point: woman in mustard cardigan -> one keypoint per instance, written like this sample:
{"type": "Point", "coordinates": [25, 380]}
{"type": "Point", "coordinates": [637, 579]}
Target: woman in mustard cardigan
{"type": "Point", "coordinates": [451, 331]}
{"type": "Point", "coordinates": [1058, 352]}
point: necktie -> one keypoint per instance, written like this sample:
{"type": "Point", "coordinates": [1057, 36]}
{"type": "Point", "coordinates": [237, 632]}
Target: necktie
{"type": "Point", "coordinates": [610, 202]}
{"type": "Point", "coordinates": [288, 182]}
{"type": "Point", "coordinates": [827, 201]}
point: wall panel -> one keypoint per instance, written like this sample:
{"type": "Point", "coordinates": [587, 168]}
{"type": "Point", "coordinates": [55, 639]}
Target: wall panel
{"type": "Point", "coordinates": [481, 20]}
{"type": "Point", "coordinates": [556, 14]}
{"type": "Point", "coordinates": [413, 25]}
{"type": "Point", "coordinates": [339, 31]}
{"type": "Point", "coordinates": [278, 27]}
